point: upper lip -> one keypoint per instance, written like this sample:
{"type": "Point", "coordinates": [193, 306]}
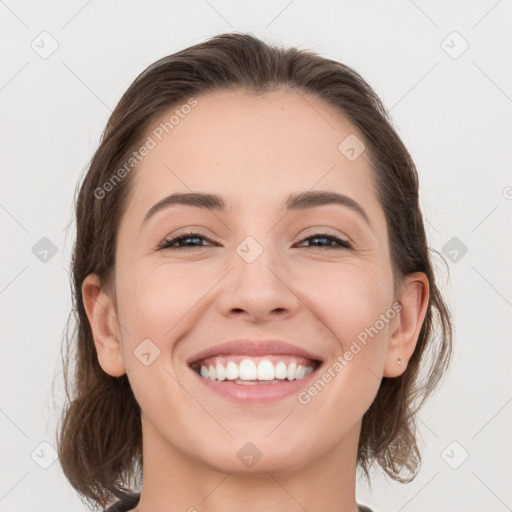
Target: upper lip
{"type": "Point", "coordinates": [253, 348]}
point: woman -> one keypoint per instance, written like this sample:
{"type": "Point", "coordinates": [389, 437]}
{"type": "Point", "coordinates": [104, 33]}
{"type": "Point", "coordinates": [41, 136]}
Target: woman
{"type": "Point", "coordinates": [253, 287]}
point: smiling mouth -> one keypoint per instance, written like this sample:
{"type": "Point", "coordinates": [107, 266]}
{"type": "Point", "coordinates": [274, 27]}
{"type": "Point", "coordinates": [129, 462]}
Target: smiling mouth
{"type": "Point", "coordinates": [248, 370]}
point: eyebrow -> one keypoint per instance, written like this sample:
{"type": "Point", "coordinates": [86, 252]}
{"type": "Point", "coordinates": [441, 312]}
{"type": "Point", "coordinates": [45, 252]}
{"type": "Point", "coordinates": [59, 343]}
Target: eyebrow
{"type": "Point", "coordinates": [297, 201]}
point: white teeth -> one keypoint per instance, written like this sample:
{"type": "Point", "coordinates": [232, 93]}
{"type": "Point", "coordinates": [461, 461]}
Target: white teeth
{"type": "Point", "coordinates": [220, 371]}
{"type": "Point", "coordinates": [248, 371]}
{"type": "Point", "coordinates": [291, 371]}
{"type": "Point", "coordinates": [265, 370]}
{"type": "Point", "coordinates": [231, 370]}
{"type": "Point", "coordinates": [280, 370]}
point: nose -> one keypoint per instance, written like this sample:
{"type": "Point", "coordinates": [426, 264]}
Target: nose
{"type": "Point", "coordinates": [258, 291]}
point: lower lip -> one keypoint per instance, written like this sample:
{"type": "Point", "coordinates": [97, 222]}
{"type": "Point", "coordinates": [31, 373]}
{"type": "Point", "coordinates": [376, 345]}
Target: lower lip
{"type": "Point", "coordinates": [256, 393]}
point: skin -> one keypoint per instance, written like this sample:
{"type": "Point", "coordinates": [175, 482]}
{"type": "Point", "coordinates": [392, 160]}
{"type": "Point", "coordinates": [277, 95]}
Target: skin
{"type": "Point", "coordinates": [254, 151]}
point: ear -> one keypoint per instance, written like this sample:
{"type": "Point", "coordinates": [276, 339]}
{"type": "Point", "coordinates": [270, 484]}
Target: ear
{"type": "Point", "coordinates": [101, 312]}
{"type": "Point", "coordinates": [414, 301]}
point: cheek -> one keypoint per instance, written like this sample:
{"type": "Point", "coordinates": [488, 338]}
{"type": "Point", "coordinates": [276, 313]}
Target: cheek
{"type": "Point", "coordinates": [152, 301]}
{"type": "Point", "coordinates": [354, 306]}
{"type": "Point", "coordinates": [155, 307]}
{"type": "Point", "coordinates": [354, 317]}
{"type": "Point", "coordinates": [347, 300]}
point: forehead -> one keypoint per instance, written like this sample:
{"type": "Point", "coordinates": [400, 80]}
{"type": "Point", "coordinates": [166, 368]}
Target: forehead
{"type": "Point", "coordinates": [250, 148]}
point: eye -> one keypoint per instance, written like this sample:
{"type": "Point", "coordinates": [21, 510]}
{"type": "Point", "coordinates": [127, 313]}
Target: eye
{"type": "Point", "coordinates": [185, 240]}
{"type": "Point", "coordinates": [323, 237]}
{"type": "Point", "coordinates": [189, 240]}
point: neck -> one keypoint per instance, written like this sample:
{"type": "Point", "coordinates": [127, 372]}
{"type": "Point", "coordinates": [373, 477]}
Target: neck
{"type": "Point", "coordinates": [174, 481]}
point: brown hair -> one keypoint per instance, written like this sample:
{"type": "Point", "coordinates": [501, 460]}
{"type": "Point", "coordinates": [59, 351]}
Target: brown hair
{"type": "Point", "coordinates": [100, 438]}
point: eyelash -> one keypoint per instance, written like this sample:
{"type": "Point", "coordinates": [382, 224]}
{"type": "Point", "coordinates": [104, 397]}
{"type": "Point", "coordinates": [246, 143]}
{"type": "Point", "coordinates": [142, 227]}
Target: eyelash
{"type": "Point", "coordinates": [166, 244]}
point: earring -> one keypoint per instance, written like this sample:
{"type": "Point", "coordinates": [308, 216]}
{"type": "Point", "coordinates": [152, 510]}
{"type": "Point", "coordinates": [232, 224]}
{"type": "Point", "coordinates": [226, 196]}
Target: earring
{"type": "Point", "coordinates": [399, 361]}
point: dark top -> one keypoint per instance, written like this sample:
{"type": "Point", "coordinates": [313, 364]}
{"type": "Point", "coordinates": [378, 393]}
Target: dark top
{"type": "Point", "coordinates": [131, 502]}
{"type": "Point", "coordinates": [125, 504]}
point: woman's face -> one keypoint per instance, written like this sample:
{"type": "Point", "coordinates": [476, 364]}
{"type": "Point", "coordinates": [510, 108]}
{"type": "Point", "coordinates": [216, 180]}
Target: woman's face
{"type": "Point", "coordinates": [256, 271]}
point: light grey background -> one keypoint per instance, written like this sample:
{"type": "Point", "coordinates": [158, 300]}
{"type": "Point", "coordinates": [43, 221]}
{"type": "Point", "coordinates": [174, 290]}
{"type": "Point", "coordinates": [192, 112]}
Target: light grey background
{"type": "Point", "coordinates": [453, 110]}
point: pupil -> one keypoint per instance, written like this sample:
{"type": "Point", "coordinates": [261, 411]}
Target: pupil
{"type": "Point", "coordinates": [190, 238]}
